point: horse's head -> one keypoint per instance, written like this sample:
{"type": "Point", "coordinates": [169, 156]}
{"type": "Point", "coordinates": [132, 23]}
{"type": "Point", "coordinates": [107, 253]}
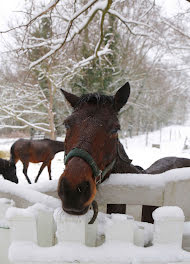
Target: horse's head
{"type": "Point", "coordinates": [10, 172]}
{"type": "Point", "coordinates": [90, 146]}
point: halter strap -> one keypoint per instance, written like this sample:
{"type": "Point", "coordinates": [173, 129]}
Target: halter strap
{"type": "Point", "coordinates": [83, 154]}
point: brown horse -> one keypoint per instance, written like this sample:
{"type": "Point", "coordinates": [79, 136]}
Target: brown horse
{"type": "Point", "coordinates": [92, 148]}
{"type": "Point", "coordinates": [35, 151]}
{"type": "Point", "coordinates": [8, 170]}
{"type": "Point", "coordinates": [167, 163]}
{"type": "Point", "coordinates": [93, 151]}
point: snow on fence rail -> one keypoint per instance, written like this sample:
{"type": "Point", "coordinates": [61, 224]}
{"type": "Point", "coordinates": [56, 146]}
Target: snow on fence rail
{"type": "Point", "coordinates": [23, 196]}
{"type": "Point", "coordinates": [111, 239]}
{"type": "Point", "coordinates": [134, 190]}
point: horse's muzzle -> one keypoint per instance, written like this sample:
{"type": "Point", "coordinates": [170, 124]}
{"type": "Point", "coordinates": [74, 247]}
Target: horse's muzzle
{"type": "Point", "coordinates": [84, 211]}
{"type": "Point", "coordinates": [76, 211]}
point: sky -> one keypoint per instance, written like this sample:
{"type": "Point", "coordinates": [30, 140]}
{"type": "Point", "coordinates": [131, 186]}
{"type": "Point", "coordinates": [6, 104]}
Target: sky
{"type": "Point", "coordinates": [172, 7]}
{"type": "Point", "coordinates": [7, 11]}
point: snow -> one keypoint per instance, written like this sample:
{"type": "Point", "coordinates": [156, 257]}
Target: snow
{"type": "Point", "coordinates": [4, 224]}
{"type": "Point", "coordinates": [153, 181]}
{"type": "Point", "coordinates": [171, 140]}
{"type": "Point", "coordinates": [7, 201]}
{"type": "Point", "coordinates": [31, 211]}
{"type": "Point", "coordinates": [27, 194]}
{"type": "Point", "coordinates": [112, 252]}
{"type": "Point", "coordinates": [119, 218]}
{"type": "Point", "coordinates": [59, 215]}
{"type": "Point", "coordinates": [165, 212]}
{"type": "Point", "coordinates": [44, 186]}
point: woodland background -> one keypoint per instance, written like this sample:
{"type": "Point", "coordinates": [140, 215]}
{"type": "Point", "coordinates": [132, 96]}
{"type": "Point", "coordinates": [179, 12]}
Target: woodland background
{"type": "Point", "coordinates": [94, 46]}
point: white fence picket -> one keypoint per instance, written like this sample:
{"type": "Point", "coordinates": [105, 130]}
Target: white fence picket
{"type": "Point", "coordinates": [41, 228]}
{"type": "Point", "coordinates": [4, 230]}
{"type": "Point", "coordinates": [120, 229]}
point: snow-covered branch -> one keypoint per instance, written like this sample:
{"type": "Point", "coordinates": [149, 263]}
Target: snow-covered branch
{"type": "Point", "coordinates": [68, 29]}
{"type": "Point", "coordinates": [86, 61]}
{"type": "Point", "coordinates": [102, 17]}
{"type": "Point", "coordinates": [49, 7]}
{"type": "Point", "coordinates": [24, 121]}
{"type": "Point", "coordinates": [128, 21]}
{"type": "Point", "coordinates": [176, 29]}
{"type": "Point", "coordinates": [147, 11]}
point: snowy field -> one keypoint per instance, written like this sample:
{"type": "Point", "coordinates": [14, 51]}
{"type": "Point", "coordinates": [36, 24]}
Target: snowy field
{"type": "Point", "coordinates": [171, 140]}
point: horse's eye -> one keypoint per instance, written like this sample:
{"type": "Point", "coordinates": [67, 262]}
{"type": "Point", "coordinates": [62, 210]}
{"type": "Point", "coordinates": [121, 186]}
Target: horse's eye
{"type": "Point", "coordinates": [114, 130]}
{"type": "Point", "coordinates": [67, 126]}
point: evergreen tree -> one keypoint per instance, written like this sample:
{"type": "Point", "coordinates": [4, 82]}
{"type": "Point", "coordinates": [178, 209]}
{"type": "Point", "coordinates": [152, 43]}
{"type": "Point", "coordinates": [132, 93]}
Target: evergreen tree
{"type": "Point", "coordinates": [44, 30]}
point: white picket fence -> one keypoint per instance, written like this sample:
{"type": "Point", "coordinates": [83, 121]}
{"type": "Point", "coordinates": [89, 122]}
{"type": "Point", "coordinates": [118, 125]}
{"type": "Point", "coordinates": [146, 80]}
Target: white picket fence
{"type": "Point", "coordinates": [39, 233]}
{"type": "Point", "coordinates": [28, 237]}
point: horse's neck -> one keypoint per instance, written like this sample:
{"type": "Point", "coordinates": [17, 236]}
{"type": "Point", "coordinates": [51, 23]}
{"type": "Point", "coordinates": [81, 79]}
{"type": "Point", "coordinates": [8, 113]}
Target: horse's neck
{"type": "Point", "coordinates": [58, 146]}
{"type": "Point", "coordinates": [124, 167]}
{"type": "Point", "coordinates": [123, 163]}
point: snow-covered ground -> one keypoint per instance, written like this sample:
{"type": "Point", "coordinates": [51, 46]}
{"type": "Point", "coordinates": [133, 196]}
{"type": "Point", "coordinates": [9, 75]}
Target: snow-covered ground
{"type": "Point", "coordinates": [171, 140]}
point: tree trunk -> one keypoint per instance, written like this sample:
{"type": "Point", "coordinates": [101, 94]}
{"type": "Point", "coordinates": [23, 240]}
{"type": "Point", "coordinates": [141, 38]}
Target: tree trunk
{"type": "Point", "coordinates": [50, 111]}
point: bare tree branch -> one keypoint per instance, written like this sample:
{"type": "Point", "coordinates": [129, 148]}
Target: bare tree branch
{"type": "Point", "coordinates": [127, 22]}
{"type": "Point", "coordinates": [81, 27]}
{"type": "Point", "coordinates": [148, 10]}
{"type": "Point", "coordinates": [27, 124]}
{"type": "Point", "coordinates": [49, 7]}
{"type": "Point", "coordinates": [176, 29]}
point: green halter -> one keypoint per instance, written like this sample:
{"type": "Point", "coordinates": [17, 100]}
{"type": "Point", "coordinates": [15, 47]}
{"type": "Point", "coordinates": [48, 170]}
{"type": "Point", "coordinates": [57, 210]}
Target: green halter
{"type": "Point", "coordinates": [83, 154]}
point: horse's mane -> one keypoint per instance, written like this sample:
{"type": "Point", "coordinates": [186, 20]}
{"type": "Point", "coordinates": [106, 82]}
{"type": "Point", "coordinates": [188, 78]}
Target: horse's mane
{"type": "Point", "coordinates": [95, 98]}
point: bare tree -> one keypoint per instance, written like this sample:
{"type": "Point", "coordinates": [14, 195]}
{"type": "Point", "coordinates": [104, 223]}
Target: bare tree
{"type": "Point", "coordinates": [135, 46]}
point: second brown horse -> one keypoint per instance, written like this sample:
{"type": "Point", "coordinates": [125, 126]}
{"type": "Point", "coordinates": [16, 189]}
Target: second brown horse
{"type": "Point", "coordinates": [35, 151]}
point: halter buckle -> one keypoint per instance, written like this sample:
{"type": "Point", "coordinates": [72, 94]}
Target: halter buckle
{"type": "Point", "coordinates": [99, 176]}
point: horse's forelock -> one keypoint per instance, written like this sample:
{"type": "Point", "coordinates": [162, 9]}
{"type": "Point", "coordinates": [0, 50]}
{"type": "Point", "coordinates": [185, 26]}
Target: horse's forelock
{"type": "Point", "coordinates": [95, 98]}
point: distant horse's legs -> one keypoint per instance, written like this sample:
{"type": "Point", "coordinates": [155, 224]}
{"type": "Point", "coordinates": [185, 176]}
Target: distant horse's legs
{"type": "Point", "coordinates": [25, 168]}
{"type": "Point", "coordinates": [44, 164]}
{"type": "Point", "coordinates": [49, 169]}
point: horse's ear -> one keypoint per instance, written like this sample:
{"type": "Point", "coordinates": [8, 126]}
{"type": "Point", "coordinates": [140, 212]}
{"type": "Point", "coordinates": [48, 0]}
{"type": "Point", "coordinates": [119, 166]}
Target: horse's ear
{"type": "Point", "coordinates": [71, 98]}
{"type": "Point", "coordinates": [121, 97]}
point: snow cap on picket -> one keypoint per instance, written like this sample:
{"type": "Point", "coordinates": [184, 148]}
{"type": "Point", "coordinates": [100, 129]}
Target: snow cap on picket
{"type": "Point", "coordinates": [168, 212]}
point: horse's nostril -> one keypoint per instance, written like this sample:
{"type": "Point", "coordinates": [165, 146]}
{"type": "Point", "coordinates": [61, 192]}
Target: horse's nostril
{"type": "Point", "coordinates": [83, 187]}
